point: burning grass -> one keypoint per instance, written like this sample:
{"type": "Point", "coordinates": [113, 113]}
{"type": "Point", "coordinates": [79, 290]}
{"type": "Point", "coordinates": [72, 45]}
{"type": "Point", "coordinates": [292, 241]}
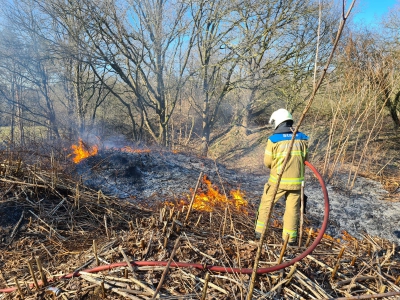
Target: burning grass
{"type": "Point", "coordinates": [209, 198]}
{"type": "Point", "coordinates": [70, 228]}
{"type": "Point", "coordinates": [83, 150]}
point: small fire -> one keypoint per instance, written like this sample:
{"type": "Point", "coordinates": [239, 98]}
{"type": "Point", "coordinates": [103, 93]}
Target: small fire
{"type": "Point", "coordinates": [82, 151]}
{"type": "Point", "coordinates": [212, 198]}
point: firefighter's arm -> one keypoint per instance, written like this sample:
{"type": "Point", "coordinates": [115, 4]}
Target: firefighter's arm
{"type": "Point", "coordinates": [268, 155]}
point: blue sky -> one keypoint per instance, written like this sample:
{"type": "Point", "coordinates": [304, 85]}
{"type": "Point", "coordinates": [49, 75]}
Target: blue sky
{"type": "Point", "coordinates": [371, 11]}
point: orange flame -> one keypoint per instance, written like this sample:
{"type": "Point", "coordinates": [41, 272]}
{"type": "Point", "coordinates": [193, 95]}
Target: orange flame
{"type": "Point", "coordinates": [81, 151]}
{"type": "Point", "coordinates": [208, 200]}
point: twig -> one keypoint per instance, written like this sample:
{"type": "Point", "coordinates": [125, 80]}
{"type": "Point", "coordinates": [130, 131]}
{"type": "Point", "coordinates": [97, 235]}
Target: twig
{"type": "Point", "coordinates": [22, 183]}
{"type": "Point", "coordinates": [13, 233]}
{"type": "Point", "coordinates": [389, 294]}
{"type": "Point", "coordinates": [109, 287]}
{"type": "Point", "coordinates": [290, 147]}
{"type": "Point", "coordinates": [355, 279]}
{"type": "Point", "coordinates": [166, 268]}
{"type": "Point", "coordinates": [105, 225]}
{"type": "Point", "coordinates": [214, 286]}
{"type": "Point", "coordinates": [126, 280]}
{"type": "Point", "coordinates": [129, 265]}
{"type": "Point", "coordinates": [197, 250]}
{"type": "Point", "coordinates": [51, 228]}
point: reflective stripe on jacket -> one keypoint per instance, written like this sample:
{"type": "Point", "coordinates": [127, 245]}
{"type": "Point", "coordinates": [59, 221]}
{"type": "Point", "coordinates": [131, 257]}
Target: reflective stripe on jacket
{"type": "Point", "coordinates": [275, 154]}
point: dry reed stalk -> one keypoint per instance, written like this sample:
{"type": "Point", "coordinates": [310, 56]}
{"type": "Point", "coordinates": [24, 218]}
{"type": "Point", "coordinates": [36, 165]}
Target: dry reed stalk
{"type": "Point", "coordinates": [310, 101]}
{"type": "Point", "coordinates": [51, 228]}
{"type": "Point", "coordinates": [309, 237]}
{"type": "Point", "coordinates": [313, 284]}
{"type": "Point", "coordinates": [198, 221]}
{"type": "Point", "coordinates": [40, 268]}
{"type": "Point", "coordinates": [293, 269]}
{"type": "Point", "coordinates": [325, 266]}
{"type": "Point", "coordinates": [283, 249]}
{"type": "Point", "coordinates": [224, 223]}
{"type": "Point", "coordinates": [21, 183]}
{"type": "Point", "coordinates": [106, 286]}
{"type": "Point", "coordinates": [353, 261]}
{"type": "Point", "coordinates": [146, 252]}
{"type": "Point", "coordinates": [77, 197]}
{"type": "Point", "coordinates": [106, 227]}
{"type": "Point", "coordinates": [355, 279]}
{"type": "Point", "coordinates": [33, 274]}
{"type": "Point", "coordinates": [130, 280]}
{"type": "Point", "coordinates": [19, 288]}
{"type": "Point", "coordinates": [204, 292]}
{"type": "Point", "coordinates": [211, 285]}
{"type": "Point", "coordinates": [337, 265]}
{"type": "Point", "coordinates": [95, 252]}
{"type": "Point", "coordinates": [193, 197]}
{"type": "Point", "coordinates": [293, 294]}
{"type": "Point", "coordinates": [166, 268]}
{"type": "Point", "coordinates": [14, 231]}
{"type": "Point", "coordinates": [128, 264]}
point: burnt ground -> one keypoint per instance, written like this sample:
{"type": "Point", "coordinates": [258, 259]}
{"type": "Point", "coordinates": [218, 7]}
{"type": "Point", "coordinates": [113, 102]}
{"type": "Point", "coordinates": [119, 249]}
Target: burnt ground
{"type": "Point", "coordinates": [11, 214]}
{"type": "Point", "coordinates": [165, 175]}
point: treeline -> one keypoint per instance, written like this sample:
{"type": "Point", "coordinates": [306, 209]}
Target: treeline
{"type": "Point", "coordinates": [168, 71]}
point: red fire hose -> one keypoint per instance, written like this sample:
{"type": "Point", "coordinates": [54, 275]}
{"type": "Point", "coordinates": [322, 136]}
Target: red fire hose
{"type": "Point", "coordinates": [219, 268]}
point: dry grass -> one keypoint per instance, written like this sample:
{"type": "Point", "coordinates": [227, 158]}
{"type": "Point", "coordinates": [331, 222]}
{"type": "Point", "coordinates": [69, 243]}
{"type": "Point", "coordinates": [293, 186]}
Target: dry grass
{"type": "Point", "coordinates": [62, 218]}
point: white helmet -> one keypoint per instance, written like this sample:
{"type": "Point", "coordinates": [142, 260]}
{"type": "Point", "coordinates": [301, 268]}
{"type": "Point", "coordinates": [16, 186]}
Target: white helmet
{"type": "Point", "coordinates": [280, 116]}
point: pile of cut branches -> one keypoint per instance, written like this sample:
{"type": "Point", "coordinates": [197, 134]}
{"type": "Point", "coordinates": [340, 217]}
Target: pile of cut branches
{"type": "Point", "coordinates": [61, 240]}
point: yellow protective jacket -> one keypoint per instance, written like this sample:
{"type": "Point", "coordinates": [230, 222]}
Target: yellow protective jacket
{"type": "Point", "coordinates": [275, 154]}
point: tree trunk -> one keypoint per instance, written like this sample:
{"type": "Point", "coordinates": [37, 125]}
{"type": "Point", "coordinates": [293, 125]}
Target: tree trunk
{"type": "Point", "coordinates": [393, 110]}
{"type": "Point", "coordinates": [246, 119]}
{"type": "Point", "coordinates": [205, 135]}
{"type": "Point", "coordinates": [205, 139]}
{"type": "Point", "coordinates": [392, 105]}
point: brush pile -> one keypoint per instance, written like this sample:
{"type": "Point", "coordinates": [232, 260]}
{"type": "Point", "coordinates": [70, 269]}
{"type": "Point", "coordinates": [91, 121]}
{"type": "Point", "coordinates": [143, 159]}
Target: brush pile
{"type": "Point", "coordinates": [63, 240]}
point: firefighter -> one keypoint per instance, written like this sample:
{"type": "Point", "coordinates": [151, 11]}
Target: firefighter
{"type": "Point", "coordinates": [292, 177]}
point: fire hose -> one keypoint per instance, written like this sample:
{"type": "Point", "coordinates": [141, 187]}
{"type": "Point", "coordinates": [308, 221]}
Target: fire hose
{"type": "Point", "coordinates": [213, 268]}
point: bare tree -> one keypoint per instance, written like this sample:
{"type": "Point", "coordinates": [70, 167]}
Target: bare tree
{"type": "Point", "coordinates": [24, 55]}
{"type": "Point", "coordinates": [369, 54]}
{"type": "Point", "coordinates": [279, 60]}
{"type": "Point", "coordinates": [140, 43]}
{"type": "Point", "coordinates": [253, 46]}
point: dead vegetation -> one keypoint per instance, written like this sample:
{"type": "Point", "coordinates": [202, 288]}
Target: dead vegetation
{"type": "Point", "coordinates": [54, 231]}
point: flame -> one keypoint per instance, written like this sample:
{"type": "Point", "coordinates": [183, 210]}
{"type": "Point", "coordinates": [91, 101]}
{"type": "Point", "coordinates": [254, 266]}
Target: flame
{"type": "Point", "coordinates": [82, 151]}
{"type": "Point", "coordinates": [211, 198]}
